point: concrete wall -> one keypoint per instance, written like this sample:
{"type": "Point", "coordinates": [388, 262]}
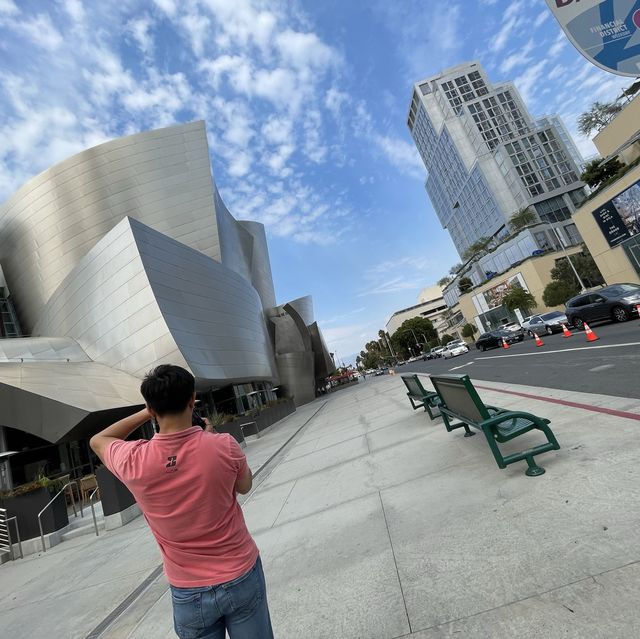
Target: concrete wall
{"type": "Point", "coordinates": [536, 272]}
{"type": "Point", "coordinates": [622, 127]}
{"type": "Point", "coordinates": [612, 262]}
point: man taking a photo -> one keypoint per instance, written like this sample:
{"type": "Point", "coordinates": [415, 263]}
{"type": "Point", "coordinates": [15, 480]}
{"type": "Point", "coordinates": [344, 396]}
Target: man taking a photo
{"type": "Point", "coordinates": [185, 481]}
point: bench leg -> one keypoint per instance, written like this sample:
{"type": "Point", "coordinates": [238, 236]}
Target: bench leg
{"type": "Point", "coordinates": [467, 432]}
{"type": "Point", "coordinates": [534, 470]}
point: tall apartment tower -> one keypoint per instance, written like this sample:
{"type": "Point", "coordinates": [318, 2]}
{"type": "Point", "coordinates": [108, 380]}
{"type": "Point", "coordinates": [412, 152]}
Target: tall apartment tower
{"type": "Point", "coordinates": [487, 157]}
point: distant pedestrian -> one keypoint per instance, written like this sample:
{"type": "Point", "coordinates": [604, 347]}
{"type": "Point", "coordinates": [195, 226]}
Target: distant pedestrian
{"type": "Point", "coordinates": [185, 480]}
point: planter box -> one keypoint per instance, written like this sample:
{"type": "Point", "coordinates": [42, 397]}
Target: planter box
{"type": "Point", "coordinates": [26, 508]}
{"type": "Point", "coordinates": [114, 495]}
{"type": "Point", "coordinates": [263, 420]}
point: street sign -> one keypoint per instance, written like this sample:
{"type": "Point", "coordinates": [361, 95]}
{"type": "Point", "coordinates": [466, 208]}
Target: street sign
{"type": "Point", "coordinates": [606, 32]}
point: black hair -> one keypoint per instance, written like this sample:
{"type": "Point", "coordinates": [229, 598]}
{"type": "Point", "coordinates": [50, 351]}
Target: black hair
{"type": "Point", "coordinates": [167, 389]}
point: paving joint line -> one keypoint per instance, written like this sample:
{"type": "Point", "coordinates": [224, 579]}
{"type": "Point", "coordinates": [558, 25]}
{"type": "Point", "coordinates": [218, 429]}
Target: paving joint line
{"type": "Point", "coordinates": [395, 563]}
{"type": "Point", "coordinates": [135, 594]}
{"type": "Point", "coordinates": [532, 596]}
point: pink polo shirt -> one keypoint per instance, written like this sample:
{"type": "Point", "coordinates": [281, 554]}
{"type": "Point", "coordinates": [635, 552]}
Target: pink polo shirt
{"type": "Point", "coordinates": [184, 484]}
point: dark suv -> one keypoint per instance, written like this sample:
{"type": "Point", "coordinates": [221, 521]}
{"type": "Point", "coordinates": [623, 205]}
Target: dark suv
{"type": "Point", "coordinates": [617, 302]}
{"type": "Point", "coordinates": [493, 339]}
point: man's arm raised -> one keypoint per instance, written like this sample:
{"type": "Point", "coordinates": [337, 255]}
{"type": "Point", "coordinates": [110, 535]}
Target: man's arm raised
{"type": "Point", "coordinates": [118, 431]}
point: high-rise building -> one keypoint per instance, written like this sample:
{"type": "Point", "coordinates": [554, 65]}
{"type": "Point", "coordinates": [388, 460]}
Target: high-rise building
{"type": "Point", "coordinates": [488, 158]}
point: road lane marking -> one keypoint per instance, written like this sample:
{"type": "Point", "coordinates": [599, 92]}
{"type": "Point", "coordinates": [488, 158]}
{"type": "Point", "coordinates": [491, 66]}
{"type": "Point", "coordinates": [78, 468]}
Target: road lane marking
{"type": "Point", "coordinates": [604, 367]}
{"type": "Point", "coordinates": [564, 402]}
{"type": "Point", "coordinates": [560, 350]}
{"type": "Point", "coordinates": [455, 368]}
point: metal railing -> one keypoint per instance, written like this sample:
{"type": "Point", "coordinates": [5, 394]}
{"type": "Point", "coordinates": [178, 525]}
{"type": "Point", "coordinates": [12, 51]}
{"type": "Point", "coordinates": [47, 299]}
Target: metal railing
{"type": "Point", "coordinates": [93, 510]}
{"type": "Point", "coordinates": [6, 544]}
{"type": "Point", "coordinates": [243, 443]}
{"type": "Point", "coordinates": [73, 504]}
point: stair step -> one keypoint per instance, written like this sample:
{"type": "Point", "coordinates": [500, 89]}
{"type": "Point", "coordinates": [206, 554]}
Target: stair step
{"type": "Point", "coordinates": [79, 531]}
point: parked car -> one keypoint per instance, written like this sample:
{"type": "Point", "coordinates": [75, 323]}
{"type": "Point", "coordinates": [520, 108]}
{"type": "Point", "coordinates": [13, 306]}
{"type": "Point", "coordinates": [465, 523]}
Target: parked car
{"type": "Point", "coordinates": [493, 339]}
{"type": "Point", "coordinates": [515, 328]}
{"type": "Point", "coordinates": [454, 348]}
{"type": "Point", "coordinates": [617, 302]}
{"type": "Point", "coordinates": [435, 352]}
{"type": "Point", "coordinates": [548, 323]}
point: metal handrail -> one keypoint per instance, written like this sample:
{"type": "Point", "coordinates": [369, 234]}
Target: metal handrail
{"type": "Point", "coordinates": [44, 548]}
{"type": "Point", "coordinates": [93, 510]}
{"type": "Point", "coordinates": [5, 534]}
{"type": "Point", "coordinates": [243, 443]}
{"type": "Point", "coordinates": [15, 521]}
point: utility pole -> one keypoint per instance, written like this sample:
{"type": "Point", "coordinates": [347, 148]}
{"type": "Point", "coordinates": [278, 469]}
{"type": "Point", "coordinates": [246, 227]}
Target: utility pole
{"type": "Point", "coordinates": [564, 250]}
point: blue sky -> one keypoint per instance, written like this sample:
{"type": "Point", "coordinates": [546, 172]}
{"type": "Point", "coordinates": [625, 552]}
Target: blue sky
{"type": "Point", "coordinates": [305, 104]}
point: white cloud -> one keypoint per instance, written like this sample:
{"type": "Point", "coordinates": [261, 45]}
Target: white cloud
{"type": "Point", "coordinates": [168, 6]}
{"type": "Point", "coordinates": [401, 154]}
{"type": "Point", "coordinates": [542, 18]}
{"type": "Point", "coordinates": [75, 9]}
{"type": "Point", "coordinates": [527, 82]}
{"type": "Point", "coordinates": [304, 50]}
{"type": "Point", "coordinates": [518, 57]}
{"type": "Point", "coordinates": [558, 44]}
{"type": "Point", "coordinates": [512, 20]}
{"type": "Point", "coordinates": [40, 31]}
{"type": "Point", "coordinates": [198, 27]}
{"type": "Point", "coordinates": [140, 29]}
{"type": "Point", "coordinates": [557, 72]}
{"type": "Point", "coordinates": [8, 7]}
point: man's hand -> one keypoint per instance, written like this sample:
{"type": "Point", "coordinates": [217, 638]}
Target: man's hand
{"type": "Point", "coordinates": [244, 483]}
{"type": "Point", "coordinates": [208, 425]}
{"type": "Point", "coordinates": [120, 430]}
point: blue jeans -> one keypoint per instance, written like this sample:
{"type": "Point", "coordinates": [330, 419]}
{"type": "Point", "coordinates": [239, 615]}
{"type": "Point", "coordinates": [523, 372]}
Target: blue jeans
{"type": "Point", "coordinates": [238, 606]}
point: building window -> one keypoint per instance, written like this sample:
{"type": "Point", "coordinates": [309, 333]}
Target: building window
{"type": "Point", "coordinates": [425, 89]}
{"type": "Point", "coordinates": [554, 209]}
{"type": "Point", "coordinates": [572, 234]}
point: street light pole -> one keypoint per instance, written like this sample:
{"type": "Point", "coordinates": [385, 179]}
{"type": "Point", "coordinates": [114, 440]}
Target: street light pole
{"type": "Point", "coordinates": [564, 250]}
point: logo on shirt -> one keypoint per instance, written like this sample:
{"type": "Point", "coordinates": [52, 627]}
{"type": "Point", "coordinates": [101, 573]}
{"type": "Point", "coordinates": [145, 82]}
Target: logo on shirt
{"type": "Point", "coordinates": [172, 464]}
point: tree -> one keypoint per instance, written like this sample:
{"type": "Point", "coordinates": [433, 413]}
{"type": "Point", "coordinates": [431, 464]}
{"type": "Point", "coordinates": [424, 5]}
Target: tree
{"type": "Point", "coordinates": [479, 246]}
{"type": "Point", "coordinates": [585, 265]}
{"type": "Point", "coordinates": [443, 281]}
{"type": "Point", "coordinates": [455, 268]}
{"type": "Point", "coordinates": [522, 218]}
{"type": "Point", "coordinates": [598, 116]}
{"type": "Point", "coordinates": [418, 329]}
{"type": "Point", "coordinates": [465, 284]}
{"type": "Point", "coordinates": [517, 297]}
{"type": "Point", "coordinates": [469, 330]}
{"type": "Point", "coordinates": [557, 293]}
{"type": "Point", "coordinates": [596, 172]}
{"type": "Point", "coordinates": [446, 338]}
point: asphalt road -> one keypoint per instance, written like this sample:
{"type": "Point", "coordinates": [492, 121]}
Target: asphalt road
{"type": "Point", "coordinates": [610, 366]}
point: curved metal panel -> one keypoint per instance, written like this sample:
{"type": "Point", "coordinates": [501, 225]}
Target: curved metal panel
{"type": "Point", "coordinates": [160, 177]}
{"type": "Point", "coordinates": [139, 299]}
{"type": "Point", "coordinates": [106, 304]}
{"type": "Point", "coordinates": [49, 399]}
{"type": "Point", "coordinates": [304, 308]}
{"type": "Point", "coordinates": [324, 364]}
{"type": "Point", "coordinates": [40, 349]}
{"type": "Point", "coordinates": [214, 315]}
{"type": "Point", "coordinates": [261, 276]}
{"type": "Point", "coordinates": [296, 375]}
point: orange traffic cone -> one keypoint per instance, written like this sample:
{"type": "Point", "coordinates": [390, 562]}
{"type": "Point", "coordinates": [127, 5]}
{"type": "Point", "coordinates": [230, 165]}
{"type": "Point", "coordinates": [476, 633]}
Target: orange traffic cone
{"type": "Point", "coordinates": [539, 342]}
{"type": "Point", "coordinates": [591, 336]}
{"type": "Point", "coordinates": [504, 343]}
{"type": "Point", "coordinates": [565, 331]}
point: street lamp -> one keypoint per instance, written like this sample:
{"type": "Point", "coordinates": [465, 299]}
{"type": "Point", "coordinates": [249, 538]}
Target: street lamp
{"type": "Point", "coordinates": [564, 250]}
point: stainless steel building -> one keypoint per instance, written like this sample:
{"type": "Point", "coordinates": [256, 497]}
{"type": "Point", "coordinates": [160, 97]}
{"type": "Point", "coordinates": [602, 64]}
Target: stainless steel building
{"type": "Point", "coordinates": [122, 257]}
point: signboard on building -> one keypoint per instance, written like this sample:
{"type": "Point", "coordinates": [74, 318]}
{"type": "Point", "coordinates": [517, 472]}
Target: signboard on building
{"type": "Point", "coordinates": [606, 32]}
{"type": "Point", "coordinates": [492, 297]}
{"type": "Point", "coordinates": [619, 218]}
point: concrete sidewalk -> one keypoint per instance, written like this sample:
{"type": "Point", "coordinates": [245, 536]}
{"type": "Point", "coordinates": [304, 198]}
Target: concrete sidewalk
{"type": "Point", "coordinates": [374, 522]}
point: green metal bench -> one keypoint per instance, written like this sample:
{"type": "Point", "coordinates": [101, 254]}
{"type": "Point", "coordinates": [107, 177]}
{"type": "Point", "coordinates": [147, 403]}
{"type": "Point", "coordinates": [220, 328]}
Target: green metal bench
{"type": "Point", "coordinates": [420, 397]}
{"type": "Point", "coordinates": [460, 400]}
